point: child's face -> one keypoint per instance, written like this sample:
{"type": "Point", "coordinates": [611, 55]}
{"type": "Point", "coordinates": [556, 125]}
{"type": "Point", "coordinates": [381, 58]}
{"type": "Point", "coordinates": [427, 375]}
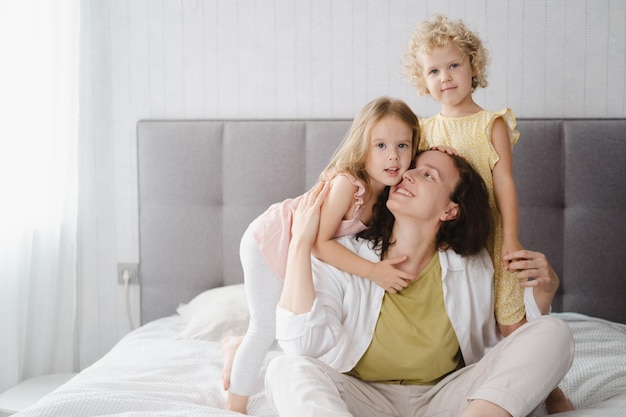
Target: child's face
{"type": "Point", "coordinates": [448, 75]}
{"type": "Point", "coordinates": [390, 152]}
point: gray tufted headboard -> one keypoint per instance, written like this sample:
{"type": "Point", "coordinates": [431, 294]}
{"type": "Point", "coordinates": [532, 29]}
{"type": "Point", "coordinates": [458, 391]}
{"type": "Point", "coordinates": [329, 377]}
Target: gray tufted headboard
{"type": "Point", "coordinates": [201, 182]}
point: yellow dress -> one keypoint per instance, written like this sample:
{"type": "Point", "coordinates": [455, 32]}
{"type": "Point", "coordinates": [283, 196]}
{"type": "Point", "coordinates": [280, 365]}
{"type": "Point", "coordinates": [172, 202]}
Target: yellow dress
{"type": "Point", "coordinates": [471, 137]}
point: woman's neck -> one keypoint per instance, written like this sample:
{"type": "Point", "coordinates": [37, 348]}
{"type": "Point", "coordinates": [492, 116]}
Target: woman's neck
{"type": "Point", "coordinates": [419, 247]}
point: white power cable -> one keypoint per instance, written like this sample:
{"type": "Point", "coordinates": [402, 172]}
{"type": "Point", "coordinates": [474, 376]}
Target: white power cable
{"type": "Point", "coordinates": [126, 276]}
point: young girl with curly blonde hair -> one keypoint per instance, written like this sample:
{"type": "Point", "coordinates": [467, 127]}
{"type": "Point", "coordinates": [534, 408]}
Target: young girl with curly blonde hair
{"type": "Point", "coordinates": [448, 61]}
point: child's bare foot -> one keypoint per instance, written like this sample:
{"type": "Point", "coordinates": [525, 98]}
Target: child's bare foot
{"type": "Point", "coordinates": [557, 402]}
{"type": "Point", "coordinates": [229, 346]}
{"type": "Point", "coordinates": [237, 403]}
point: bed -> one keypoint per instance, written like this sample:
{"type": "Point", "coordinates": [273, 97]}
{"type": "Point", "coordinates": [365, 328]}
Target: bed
{"type": "Point", "coordinates": [202, 181]}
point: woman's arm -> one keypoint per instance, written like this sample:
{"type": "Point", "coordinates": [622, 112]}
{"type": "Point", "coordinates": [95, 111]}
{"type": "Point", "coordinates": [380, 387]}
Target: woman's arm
{"type": "Point", "coordinates": [308, 319]}
{"type": "Point", "coordinates": [337, 206]}
{"type": "Point", "coordinates": [298, 290]}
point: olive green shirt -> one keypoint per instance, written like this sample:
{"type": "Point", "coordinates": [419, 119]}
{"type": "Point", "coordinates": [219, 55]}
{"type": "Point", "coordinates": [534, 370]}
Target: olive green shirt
{"type": "Point", "coordinates": [414, 342]}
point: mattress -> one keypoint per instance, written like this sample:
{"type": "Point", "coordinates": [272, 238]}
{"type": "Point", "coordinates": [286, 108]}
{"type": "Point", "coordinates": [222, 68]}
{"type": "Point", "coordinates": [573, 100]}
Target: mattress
{"type": "Point", "coordinates": [155, 371]}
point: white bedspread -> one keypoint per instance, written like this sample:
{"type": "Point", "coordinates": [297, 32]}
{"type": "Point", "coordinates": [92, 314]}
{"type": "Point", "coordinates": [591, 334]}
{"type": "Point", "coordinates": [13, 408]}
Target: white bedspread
{"type": "Point", "coordinates": [151, 372]}
{"type": "Point", "coordinates": [596, 382]}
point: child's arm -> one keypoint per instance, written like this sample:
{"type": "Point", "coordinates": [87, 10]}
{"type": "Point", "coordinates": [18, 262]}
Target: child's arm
{"type": "Point", "coordinates": [337, 204]}
{"type": "Point", "coordinates": [506, 199]}
{"type": "Point", "coordinates": [504, 188]}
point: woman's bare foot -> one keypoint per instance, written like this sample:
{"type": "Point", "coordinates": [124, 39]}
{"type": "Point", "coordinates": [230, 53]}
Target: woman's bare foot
{"type": "Point", "coordinates": [229, 347]}
{"type": "Point", "coordinates": [557, 402]}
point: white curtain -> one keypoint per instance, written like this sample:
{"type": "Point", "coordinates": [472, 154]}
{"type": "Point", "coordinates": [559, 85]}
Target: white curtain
{"type": "Point", "coordinates": [38, 139]}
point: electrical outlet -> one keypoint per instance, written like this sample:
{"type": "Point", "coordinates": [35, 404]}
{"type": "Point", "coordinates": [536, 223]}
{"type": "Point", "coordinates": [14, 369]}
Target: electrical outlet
{"type": "Point", "coordinates": [131, 269]}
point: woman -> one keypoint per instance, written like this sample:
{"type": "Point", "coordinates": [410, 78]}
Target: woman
{"type": "Point", "coordinates": [433, 347]}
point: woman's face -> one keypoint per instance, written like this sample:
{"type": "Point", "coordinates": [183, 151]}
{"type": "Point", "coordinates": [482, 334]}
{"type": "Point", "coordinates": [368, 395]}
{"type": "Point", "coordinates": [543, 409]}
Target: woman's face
{"type": "Point", "coordinates": [425, 190]}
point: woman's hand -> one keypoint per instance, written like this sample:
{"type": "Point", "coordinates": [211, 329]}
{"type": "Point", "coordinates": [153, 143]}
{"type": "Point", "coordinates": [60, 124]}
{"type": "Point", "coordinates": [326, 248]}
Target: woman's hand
{"type": "Point", "coordinates": [534, 270]}
{"type": "Point", "coordinates": [306, 217]}
{"type": "Point", "coordinates": [510, 246]}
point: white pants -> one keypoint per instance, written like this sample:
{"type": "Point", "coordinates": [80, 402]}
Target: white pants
{"type": "Point", "coordinates": [517, 374]}
{"type": "Point", "coordinates": [263, 289]}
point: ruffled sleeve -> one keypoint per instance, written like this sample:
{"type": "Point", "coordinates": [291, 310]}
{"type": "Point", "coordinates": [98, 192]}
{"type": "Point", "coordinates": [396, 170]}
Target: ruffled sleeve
{"type": "Point", "coordinates": [509, 118]}
{"type": "Point", "coordinates": [354, 225]}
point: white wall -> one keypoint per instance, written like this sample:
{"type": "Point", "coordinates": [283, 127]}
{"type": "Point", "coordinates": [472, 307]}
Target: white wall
{"type": "Point", "coordinates": [297, 59]}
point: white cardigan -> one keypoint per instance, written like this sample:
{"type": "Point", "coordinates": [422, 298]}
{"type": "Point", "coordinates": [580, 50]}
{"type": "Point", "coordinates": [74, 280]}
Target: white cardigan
{"type": "Point", "coordinates": [340, 326]}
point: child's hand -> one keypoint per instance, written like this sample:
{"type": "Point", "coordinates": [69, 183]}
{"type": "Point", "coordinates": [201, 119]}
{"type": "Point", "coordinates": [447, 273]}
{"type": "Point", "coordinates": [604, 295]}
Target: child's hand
{"type": "Point", "coordinates": [447, 149]}
{"type": "Point", "coordinates": [387, 276]}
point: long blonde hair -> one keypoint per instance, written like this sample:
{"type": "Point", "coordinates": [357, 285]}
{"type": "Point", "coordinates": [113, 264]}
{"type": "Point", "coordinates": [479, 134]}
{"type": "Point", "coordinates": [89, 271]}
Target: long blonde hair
{"type": "Point", "coordinates": [351, 155]}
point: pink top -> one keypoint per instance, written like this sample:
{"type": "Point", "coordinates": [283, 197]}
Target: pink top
{"type": "Point", "coordinates": [272, 229]}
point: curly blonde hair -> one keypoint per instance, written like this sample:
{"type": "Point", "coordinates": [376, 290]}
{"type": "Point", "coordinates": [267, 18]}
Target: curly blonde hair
{"type": "Point", "coordinates": [351, 155]}
{"type": "Point", "coordinates": [436, 33]}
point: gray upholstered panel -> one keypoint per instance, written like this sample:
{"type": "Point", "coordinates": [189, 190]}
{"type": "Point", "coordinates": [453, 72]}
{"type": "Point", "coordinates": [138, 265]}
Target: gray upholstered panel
{"type": "Point", "coordinates": [262, 164]}
{"type": "Point", "coordinates": [538, 172]}
{"type": "Point", "coordinates": [202, 182]}
{"type": "Point", "coordinates": [180, 215]}
{"type": "Point", "coordinates": [321, 141]}
{"type": "Point", "coordinates": [595, 227]}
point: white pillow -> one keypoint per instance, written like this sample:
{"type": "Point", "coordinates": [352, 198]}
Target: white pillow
{"type": "Point", "coordinates": [216, 313]}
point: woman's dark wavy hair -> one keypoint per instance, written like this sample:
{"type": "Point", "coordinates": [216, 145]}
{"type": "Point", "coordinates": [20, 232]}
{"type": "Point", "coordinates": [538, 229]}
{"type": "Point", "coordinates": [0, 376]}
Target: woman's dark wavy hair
{"type": "Point", "coordinates": [467, 234]}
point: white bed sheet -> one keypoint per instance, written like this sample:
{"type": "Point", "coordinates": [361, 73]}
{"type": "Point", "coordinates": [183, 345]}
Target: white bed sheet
{"type": "Point", "coordinates": [596, 382]}
{"type": "Point", "coordinates": [152, 372]}
{"type": "Point", "coordinates": [149, 372]}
